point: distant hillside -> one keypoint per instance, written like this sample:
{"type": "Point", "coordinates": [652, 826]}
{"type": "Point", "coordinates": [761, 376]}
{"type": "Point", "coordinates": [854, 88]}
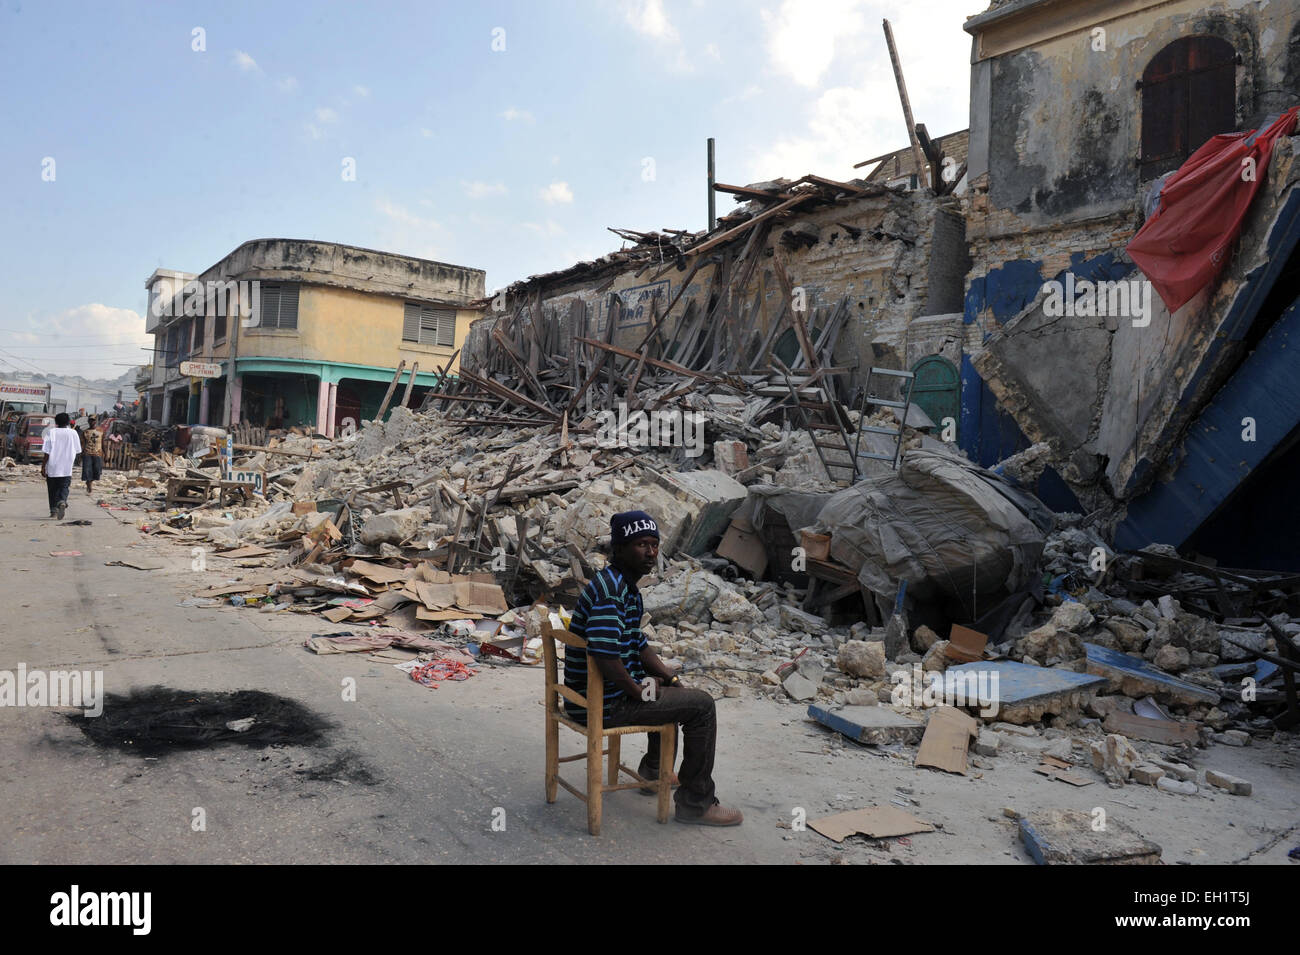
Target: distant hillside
{"type": "Point", "coordinates": [93, 394]}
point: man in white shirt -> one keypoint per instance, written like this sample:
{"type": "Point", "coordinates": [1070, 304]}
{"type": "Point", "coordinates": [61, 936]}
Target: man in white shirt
{"type": "Point", "coordinates": [60, 449]}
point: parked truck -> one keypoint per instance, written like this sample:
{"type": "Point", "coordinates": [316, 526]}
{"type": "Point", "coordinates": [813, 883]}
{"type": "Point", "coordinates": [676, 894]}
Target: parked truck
{"type": "Point", "coordinates": [28, 397]}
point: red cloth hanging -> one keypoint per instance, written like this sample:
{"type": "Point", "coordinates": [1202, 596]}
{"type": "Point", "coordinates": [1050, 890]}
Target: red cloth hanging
{"type": "Point", "coordinates": [1186, 243]}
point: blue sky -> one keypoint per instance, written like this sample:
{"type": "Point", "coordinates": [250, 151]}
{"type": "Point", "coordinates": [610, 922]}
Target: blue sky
{"type": "Point", "coordinates": [510, 160]}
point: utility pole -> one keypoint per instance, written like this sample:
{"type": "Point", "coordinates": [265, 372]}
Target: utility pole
{"type": "Point", "coordinates": [713, 218]}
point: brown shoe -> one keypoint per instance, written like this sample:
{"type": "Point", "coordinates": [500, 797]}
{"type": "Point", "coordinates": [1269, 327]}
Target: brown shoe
{"type": "Point", "coordinates": [673, 783]}
{"type": "Point", "coordinates": [715, 815]}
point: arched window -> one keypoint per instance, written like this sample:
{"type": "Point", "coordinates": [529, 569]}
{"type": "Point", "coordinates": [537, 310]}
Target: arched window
{"type": "Point", "coordinates": [1189, 93]}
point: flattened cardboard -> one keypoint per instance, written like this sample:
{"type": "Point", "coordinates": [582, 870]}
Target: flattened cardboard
{"type": "Point", "coordinates": [439, 616]}
{"type": "Point", "coordinates": [966, 645]}
{"type": "Point", "coordinates": [483, 598]}
{"type": "Point", "coordinates": [743, 547]}
{"type": "Point", "coordinates": [878, 822]}
{"type": "Point", "coordinates": [249, 550]}
{"type": "Point", "coordinates": [435, 596]}
{"type": "Point", "coordinates": [337, 614]}
{"type": "Point", "coordinates": [947, 738]}
{"type": "Point", "coordinates": [379, 573]}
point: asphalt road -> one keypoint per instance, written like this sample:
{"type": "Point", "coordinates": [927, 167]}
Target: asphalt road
{"type": "Point", "coordinates": [410, 774]}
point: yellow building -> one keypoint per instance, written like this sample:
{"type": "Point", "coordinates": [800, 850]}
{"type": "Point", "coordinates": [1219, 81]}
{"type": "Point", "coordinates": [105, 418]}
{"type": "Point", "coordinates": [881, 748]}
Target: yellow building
{"type": "Point", "coordinates": [296, 332]}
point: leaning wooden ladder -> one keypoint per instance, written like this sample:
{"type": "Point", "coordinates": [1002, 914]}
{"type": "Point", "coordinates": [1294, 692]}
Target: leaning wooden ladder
{"type": "Point", "coordinates": [824, 418]}
{"type": "Point", "coordinates": [868, 398]}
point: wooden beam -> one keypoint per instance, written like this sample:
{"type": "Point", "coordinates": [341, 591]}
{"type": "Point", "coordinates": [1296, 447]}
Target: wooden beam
{"type": "Point", "coordinates": [388, 395]}
{"type": "Point", "coordinates": [745, 191]}
{"type": "Point", "coordinates": [666, 365]}
{"type": "Point", "coordinates": [410, 382]}
{"type": "Point", "coordinates": [917, 157]}
{"type": "Point", "coordinates": [749, 223]}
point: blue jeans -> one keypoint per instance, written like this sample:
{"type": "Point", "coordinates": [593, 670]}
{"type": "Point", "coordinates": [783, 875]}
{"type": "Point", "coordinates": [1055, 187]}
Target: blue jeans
{"type": "Point", "coordinates": [58, 490]}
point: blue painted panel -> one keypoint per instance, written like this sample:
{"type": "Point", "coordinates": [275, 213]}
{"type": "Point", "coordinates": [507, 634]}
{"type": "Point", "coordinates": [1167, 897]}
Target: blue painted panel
{"type": "Point", "coordinates": [1267, 388]}
{"type": "Point", "coordinates": [1022, 683]}
{"type": "Point", "coordinates": [1140, 668]}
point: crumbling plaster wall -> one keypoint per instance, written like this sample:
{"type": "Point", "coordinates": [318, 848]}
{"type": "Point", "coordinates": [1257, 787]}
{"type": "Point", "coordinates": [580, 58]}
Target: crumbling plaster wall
{"type": "Point", "coordinates": [1055, 135]}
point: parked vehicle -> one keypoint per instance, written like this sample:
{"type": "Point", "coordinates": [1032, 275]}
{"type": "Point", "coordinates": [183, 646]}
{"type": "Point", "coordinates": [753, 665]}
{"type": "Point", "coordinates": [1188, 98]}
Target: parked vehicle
{"type": "Point", "coordinates": [30, 436]}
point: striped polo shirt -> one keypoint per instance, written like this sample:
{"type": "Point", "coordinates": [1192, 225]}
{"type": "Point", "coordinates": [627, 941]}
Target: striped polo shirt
{"type": "Point", "coordinates": [608, 617]}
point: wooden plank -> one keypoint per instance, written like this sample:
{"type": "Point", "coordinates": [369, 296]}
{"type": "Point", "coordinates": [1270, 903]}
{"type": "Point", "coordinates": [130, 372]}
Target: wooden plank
{"type": "Point", "coordinates": [388, 395]}
{"type": "Point", "coordinates": [657, 363]}
{"type": "Point", "coordinates": [750, 223]}
{"type": "Point", "coordinates": [1155, 731]}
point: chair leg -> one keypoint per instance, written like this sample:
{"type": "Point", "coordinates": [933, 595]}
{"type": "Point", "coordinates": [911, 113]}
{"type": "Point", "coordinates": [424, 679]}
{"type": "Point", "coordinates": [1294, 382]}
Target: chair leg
{"type": "Point", "coordinates": [667, 740]}
{"type": "Point", "coordinates": [552, 757]}
{"type": "Point", "coordinates": [615, 745]}
{"type": "Point", "coordinates": [595, 787]}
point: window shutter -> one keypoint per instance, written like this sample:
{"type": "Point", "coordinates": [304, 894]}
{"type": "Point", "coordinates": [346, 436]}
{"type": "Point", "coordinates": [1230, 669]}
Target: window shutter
{"type": "Point", "coordinates": [428, 325]}
{"type": "Point", "coordinates": [288, 306]}
{"type": "Point", "coordinates": [447, 327]}
{"type": "Point", "coordinates": [411, 323]}
{"type": "Point", "coordinates": [269, 307]}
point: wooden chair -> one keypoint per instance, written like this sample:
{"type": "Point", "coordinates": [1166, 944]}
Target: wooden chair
{"type": "Point", "coordinates": [595, 732]}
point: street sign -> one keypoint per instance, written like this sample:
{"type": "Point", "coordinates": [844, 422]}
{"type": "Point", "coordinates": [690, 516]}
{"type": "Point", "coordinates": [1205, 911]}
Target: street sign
{"type": "Point", "coordinates": [201, 369]}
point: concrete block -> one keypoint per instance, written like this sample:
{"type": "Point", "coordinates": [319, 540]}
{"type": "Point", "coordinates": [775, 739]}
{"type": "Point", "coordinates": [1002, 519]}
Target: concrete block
{"type": "Point", "coordinates": [1067, 837]}
{"type": "Point", "coordinates": [862, 658]}
{"type": "Point", "coordinates": [1232, 738]}
{"type": "Point", "coordinates": [869, 724]}
{"type": "Point", "coordinates": [1025, 694]}
{"type": "Point", "coordinates": [1137, 678]}
{"type": "Point", "coordinates": [1148, 774]}
{"type": "Point", "coordinates": [714, 497]}
{"type": "Point", "coordinates": [799, 687]}
{"type": "Point", "coordinates": [1234, 784]}
{"type": "Point", "coordinates": [392, 527]}
{"type": "Point", "coordinates": [730, 457]}
{"type": "Point", "coordinates": [1114, 757]}
{"type": "Point", "coordinates": [987, 743]}
{"type": "Point", "coordinates": [1177, 770]}
{"type": "Point", "coordinates": [1179, 786]}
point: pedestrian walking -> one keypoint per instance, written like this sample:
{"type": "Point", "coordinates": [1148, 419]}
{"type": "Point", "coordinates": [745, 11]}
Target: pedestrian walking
{"type": "Point", "coordinates": [59, 449]}
{"type": "Point", "coordinates": [92, 455]}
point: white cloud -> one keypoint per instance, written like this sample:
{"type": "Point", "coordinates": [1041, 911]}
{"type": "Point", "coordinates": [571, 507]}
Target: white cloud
{"type": "Point", "coordinates": [325, 114]}
{"type": "Point", "coordinates": [648, 17]}
{"type": "Point", "coordinates": [246, 62]}
{"type": "Point", "coordinates": [482, 190]}
{"type": "Point", "coordinates": [108, 333]}
{"type": "Point", "coordinates": [861, 116]}
{"type": "Point", "coordinates": [361, 90]}
{"type": "Point", "coordinates": [550, 228]}
{"type": "Point", "coordinates": [426, 132]}
{"type": "Point", "coordinates": [556, 192]}
{"type": "Point", "coordinates": [802, 35]}
{"type": "Point", "coordinates": [408, 233]}
{"type": "Point", "coordinates": [288, 84]}
{"type": "Point", "coordinates": [711, 49]}
{"type": "Point", "coordinates": [512, 114]}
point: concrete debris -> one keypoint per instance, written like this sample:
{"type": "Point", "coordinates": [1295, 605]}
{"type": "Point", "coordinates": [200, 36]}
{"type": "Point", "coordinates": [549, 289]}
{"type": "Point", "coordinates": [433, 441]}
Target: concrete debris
{"type": "Point", "coordinates": [1114, 757]}
{"type": "Point", "coordinates": [860, 658]}
{"type": "Point", "coordinates": [1177, 786]}
{"type": "Point", "coordinates": [1234, 785]}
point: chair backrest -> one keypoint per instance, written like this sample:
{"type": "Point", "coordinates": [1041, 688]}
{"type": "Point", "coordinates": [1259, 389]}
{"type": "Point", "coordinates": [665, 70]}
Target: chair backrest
{"type": "Point", "coordinates": [556, 691]}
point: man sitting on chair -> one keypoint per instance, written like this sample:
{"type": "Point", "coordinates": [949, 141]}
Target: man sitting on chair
{"type": "Point", "coordinates": [639, 689]}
